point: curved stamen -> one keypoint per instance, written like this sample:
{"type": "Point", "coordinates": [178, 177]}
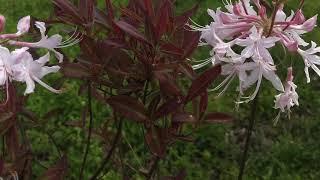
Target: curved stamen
{"type": "Point", "coordinates": [43, 84]}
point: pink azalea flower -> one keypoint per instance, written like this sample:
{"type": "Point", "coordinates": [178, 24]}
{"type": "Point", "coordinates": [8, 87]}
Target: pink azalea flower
{"type": "Point", "coordinates": [51, 43]}
{"type": "Point", "coordinates": [311, 59]}
{"type": "Point", "coordinates": [247, 27]}
{"type": "Point", "coordinates": [256, 45]}
{"type": "Point", "coordinates": [289, 97]}
{"type": "Point", "coordinates": [23, 25]}
{"type": "Point", "coordinates": [263, 69]}
{"type": "Point", "coordinates": [30, 71]}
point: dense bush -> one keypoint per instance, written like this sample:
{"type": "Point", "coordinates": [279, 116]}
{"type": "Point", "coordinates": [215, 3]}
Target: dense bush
{"type": "Point", "coordinates": [57, 126]}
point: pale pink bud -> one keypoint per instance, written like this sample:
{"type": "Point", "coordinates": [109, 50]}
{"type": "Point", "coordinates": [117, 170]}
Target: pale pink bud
{"type": "Point", "coordinates": [310, 23]}
{"type": "Point", "coordinates": [293, 47]}
{"type": "Point", "coordinates": [290, 74]}
{"type": "Point", "coordinates": [23, 25]}
{"type": "Point", "coordinates": [298, 18]}
{"type": "Point", "coordinates": [2, 22]}
{"type": "Point", "coordinates": [237, 9]}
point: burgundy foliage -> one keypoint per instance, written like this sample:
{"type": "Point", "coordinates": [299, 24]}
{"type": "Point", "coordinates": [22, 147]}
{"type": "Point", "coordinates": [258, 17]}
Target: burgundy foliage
{"type": "Point", "coordinates": [133, 59]}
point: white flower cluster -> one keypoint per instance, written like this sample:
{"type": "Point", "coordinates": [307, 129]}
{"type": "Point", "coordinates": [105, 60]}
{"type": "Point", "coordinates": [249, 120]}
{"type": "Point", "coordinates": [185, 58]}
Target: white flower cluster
{"type": "Point", "coordinates": [19, 65]}
{"type": "Point", "coordinates": [241, 38]}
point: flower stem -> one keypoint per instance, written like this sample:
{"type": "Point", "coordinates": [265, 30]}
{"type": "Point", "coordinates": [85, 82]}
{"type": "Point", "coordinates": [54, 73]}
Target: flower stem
{"type": "Point", "coordinates": [244, 7]}
{"type": "Point", "coordinates": [248, 137]}
{"type": "Point", "coordinates": [90, 131]}
{"type": "Point", "coordinates": [113, 147]}
{"type": "Point", "coordinates": [153, 168]}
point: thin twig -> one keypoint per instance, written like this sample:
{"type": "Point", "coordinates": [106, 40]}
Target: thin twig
{"type": "Point", "coordinates": [90, 131]}
{"type": "Point", "coordinates": [273, 19]}
{"type": "Point", "coordinates": [113, 147]}
{"type": "Point", "coordinates": [244, 7]}
{"type": "Point", "coordinates": [249, 133]}
{"type": "Point", "coordinates": [153, 168]}
{"type": "Point", "coordinates": [55, 144]}
{"type": "Point", "coordinates": [145, 93]}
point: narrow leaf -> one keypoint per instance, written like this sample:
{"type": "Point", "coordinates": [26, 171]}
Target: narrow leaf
{"type": "Point", "coordinates": [129, 107]}
{"type": "Point", "coordinates": [130, 30]}
{"type": "Point", "coordinates": [201, 83]}
{"type": "Point", "coordinates": [58, 171]}
{"type": "Point", "coordinates": [217, 117]}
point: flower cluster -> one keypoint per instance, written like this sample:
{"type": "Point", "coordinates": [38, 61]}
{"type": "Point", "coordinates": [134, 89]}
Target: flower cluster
{"type": "Point", "coordinates": [19, 65]}
{"type": "Point", "coordinates": [241, 38]}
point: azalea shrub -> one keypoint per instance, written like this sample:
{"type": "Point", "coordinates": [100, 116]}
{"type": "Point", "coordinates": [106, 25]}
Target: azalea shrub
{"type": "Point", "coordinates": [136, 62]}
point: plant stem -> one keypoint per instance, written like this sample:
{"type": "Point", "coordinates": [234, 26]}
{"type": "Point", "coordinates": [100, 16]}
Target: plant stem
{"type": "Point", "coordinates": [113, 147]}
{"type": "Point", "coordinates": [146, 87]}
{"type": "Point", "coordinates": [244, 7]}
{"type": "Point", "coordinates": [248, 137]}
{"type": "Point", "coordinates": [153, 168]}
{"type": "Point", "coordinates": [90, 131]}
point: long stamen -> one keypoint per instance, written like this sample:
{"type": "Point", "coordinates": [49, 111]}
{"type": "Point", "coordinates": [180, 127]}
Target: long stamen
{"type": "Point", "coordinates": [73, 35]}
{"type": "Point", "coordinates": [226, 87]}
{"type": "Point", "coordinates": [198, 66]}
{"type": "Point", "coordinates": [223, 83]}
{"type": "Point", "coordinates": [43, 84]}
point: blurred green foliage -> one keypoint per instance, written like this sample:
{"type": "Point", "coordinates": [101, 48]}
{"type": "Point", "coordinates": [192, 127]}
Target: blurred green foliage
{"type": "Point", "coordinates": [290, 150]}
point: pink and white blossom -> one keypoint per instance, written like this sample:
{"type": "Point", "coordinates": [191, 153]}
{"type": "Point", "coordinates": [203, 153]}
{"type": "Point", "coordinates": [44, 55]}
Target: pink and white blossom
{"type": "Point", "coordinates": [20, 66]}
{"type": "Point", "coordinates": [241, 38]}
{"type": "Point", "coordinates": [311, 59]}
{"type": "Point", "coordinates": [289, 97]}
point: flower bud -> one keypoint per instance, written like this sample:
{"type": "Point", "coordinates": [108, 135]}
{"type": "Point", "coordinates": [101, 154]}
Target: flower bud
{"type": "Point", "coordinates": [23, 25]}
{"type": "Point", "coordinates": [298, 18]}
{"type": "Point", "coordinates": [2, 22]}
{"type": "Point", "coordinates": [310, 23]}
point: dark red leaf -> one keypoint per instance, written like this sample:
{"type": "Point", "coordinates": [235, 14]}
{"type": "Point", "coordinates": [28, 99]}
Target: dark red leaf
{"type": "Point", "coordinates": [1, 166]}
{"type": "Point", "coordinates": [12, 141]}
{"type": "Point", "coordinates": [102, 18]}
{"type": "Point", "coordinates": [86, 9]}
{"type": "Point", "coordinates": [181, 20]}
{"type": "Point", "coordinates": [183, 118]}
{"type": "Point", "coordinates": [68, 12]}
{"type": "Point", "coordinates": [190, 43]}
{"type": "Point", "coordinates": [201, 83]}
{"type": "Point", "coordinates": [171, 49]}
{"type": "Point", "coordinates": [75, 70]}
{"type": "Point", "coordinates": [163, 18]}
{"type": "Point", "coordinates": [5, 116]}
{"type": "Point", "coordinates": [130, 30]}
{"type": "Point", "coordinates": [168, 107]}
{"type": "Point", "coordinates": [217, 117]}
{"type": "Point", "coordinates": [203, 102]}
{"type": "Point", "coordinates": [167, 84]}
{"type": "Point", "coordinates": [129, 107]}
{"type": "Point", "coordinates": [148, 7]}
{"type": "Point", "coordinates": [109, 11]}
{"type": "Point", "coordinates": [58, 171]}
{"type": "Point", "coordinates": [150, 31]}
{"type": "Point", "coordinates": [187, 70]}
{"type": "Point", "coordinates": [131, 16]}
{"type": "Point", "coordinates": [156, 139]}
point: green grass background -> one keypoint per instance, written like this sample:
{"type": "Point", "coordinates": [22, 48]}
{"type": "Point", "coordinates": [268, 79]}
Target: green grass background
{"type": "Point", "coordinates": [290, 150]}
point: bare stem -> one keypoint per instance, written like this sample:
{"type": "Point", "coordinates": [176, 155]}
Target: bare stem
{"type": "Point", "coordinates": [90, 131]}
{"type": "Point", "coordinates": [244, 7]}
{"type": "Point", "coordinates": [153, 168]}
{"type": "Point", "coordinates": [249, 133]}
{"type": "Point", "coordinates": [273, 19]}
{"type": "Point", "coordinates": [113, 147]}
